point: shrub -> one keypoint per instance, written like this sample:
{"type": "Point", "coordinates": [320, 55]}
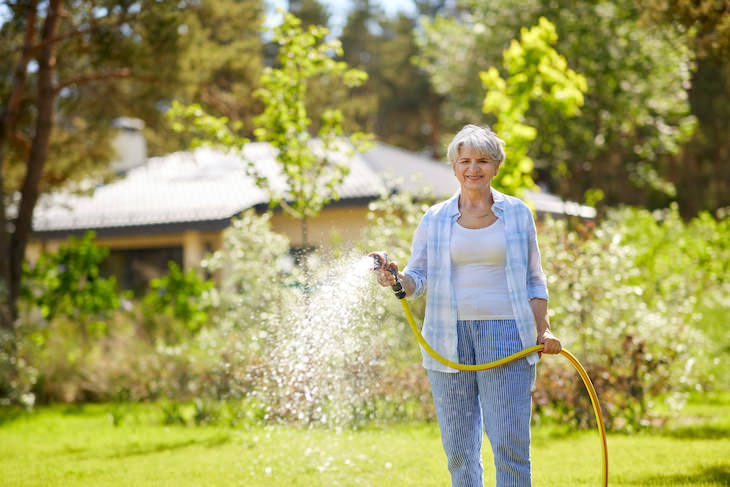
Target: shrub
{"type": "Point", "coordinates": [67, 283]}
{"type": "Point", "coordinates": [62, 295]}
{"type": "Point", "coordinates": [624, 299]}
{"type": "Point", "coordinates": [176, 306]}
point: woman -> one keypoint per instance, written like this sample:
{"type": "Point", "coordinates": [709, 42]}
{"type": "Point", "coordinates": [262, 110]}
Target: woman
{"type": "Point", "coordinates": [477, 256]}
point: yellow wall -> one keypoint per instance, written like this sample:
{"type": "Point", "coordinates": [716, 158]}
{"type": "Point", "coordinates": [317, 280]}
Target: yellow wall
{"type": "Point", "coordinates": [339, 224]}
{"type": "Point", "coordinates": [343, 224]}
{"type": "Point", "coordinates": [194, 244]}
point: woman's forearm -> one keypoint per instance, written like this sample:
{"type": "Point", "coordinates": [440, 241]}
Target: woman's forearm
{"type": "Point", "coordinates": [540, 312]}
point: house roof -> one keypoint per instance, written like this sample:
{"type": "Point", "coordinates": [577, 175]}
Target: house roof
{"type": "Point", "coordinates": [208, 186]}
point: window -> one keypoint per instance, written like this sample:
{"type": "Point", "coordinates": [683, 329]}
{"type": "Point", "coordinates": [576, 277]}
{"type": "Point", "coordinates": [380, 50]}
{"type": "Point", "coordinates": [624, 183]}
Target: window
{"type": "Point", "coordinates": [135, 268]}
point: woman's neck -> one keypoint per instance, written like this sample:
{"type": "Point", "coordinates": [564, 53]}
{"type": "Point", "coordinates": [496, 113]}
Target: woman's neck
{"type": "Point", "coordinates": [476, 199]}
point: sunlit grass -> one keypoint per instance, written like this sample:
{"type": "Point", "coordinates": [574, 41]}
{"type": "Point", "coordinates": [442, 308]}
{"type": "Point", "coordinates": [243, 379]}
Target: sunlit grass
{"type": "Point", "coordinates": [82, 446]}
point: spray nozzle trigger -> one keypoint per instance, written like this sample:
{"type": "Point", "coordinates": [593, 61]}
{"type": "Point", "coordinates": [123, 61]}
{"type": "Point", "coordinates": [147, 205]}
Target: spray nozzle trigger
{"type": "Point", "coordinates": [381, 262]}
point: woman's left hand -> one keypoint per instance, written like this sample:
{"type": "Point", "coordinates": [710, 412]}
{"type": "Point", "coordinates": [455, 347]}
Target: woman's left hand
{"type": "Point", "coordinates": [551, 342]}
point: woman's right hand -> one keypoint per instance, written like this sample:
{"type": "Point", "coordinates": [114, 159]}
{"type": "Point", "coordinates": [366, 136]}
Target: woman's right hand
{"type": "Point", "coordinates": [385, 277]}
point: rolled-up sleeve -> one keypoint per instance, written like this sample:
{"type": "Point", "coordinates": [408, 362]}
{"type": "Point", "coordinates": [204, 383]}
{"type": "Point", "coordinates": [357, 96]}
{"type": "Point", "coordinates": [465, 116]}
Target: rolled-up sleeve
{"type": "Point", "coordinates": [536, 281]}
{"type": "Point", "coordinates": [418, 263]}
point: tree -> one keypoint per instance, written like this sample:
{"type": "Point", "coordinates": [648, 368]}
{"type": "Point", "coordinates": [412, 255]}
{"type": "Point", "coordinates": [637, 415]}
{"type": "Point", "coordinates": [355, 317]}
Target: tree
{"type": "Point", "coordinates": [72, 67]}
{"type": "Point", "coordinates": [706, 21]}
{"type": "Point", "coordinates": [396, 102]}
{"type": "Point", "coordinates": [220, 65]}
{"type": "Point", "coordinates": [701, 171]}
{"type": "Point", "coordinates": [310, 12]}
{"type": "Point", "coordinates": [537, 73]}
{"type": "Point", "coordinates": [636, 108]}
{"type": "Point", "coordinates": [311, 167]}
{"type": "Point", "coordinates": [311, 172]}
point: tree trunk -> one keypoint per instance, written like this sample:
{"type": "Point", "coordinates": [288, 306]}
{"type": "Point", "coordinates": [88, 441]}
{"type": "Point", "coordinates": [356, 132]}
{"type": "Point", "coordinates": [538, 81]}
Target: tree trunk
{"type": "Point", "coordinates": [7, 127]}
{"type": "Point", "coordinates": [38, 151]}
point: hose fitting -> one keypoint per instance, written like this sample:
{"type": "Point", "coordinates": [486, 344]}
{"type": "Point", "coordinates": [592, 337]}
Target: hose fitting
{"type": "Point", "coordinates": [382, 263]}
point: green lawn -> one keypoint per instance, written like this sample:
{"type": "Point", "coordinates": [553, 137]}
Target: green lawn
{"type": "Point", "coordinates": [71, 447]}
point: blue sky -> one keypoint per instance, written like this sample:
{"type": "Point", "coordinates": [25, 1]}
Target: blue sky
{"type": "Point", "coordinates": [339, 8]}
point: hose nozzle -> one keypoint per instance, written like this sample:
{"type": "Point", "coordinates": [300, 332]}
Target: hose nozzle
{"type": "Point", "coordinates": [382, 263]}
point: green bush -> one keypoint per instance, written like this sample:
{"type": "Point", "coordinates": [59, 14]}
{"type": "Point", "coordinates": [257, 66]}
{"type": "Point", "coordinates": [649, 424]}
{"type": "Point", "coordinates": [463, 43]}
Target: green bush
{"type": "Point", "coordinates": [633, 298]}
{"type": "Point", "coordinates": [67, 283]}
{"type": "Point", "coordinates": [63, 296]}
{"type": "Point", "coordinates": [176, 306]}
{"type": "Point", "coordinates": [625, 298]}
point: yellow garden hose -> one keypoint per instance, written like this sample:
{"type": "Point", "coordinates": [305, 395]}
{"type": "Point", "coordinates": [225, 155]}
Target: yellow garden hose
{"type": "Point", "coordinates": [382, 263]}
{"type": "Point", "coordinates": [515, 356]}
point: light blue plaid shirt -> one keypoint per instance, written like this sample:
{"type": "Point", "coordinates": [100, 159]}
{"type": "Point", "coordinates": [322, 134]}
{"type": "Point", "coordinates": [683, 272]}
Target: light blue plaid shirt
{"type": "Point", "coordinates": [430, 268]}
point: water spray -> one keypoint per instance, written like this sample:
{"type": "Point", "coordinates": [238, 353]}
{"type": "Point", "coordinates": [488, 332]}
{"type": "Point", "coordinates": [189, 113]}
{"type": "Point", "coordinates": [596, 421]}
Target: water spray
{"type": "Point", "coordinates": [382, 263]}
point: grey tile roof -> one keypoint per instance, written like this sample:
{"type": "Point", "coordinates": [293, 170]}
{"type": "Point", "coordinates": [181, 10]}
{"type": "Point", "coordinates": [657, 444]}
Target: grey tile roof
{"type": "Point", "coordinates": [205, 184]}
{"type": "Point", "coordinates": [410, 171]}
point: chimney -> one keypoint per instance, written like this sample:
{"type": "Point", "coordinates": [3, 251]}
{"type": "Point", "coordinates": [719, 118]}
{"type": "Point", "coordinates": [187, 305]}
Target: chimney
{"type": "Point", "coordinates": [129, 144]}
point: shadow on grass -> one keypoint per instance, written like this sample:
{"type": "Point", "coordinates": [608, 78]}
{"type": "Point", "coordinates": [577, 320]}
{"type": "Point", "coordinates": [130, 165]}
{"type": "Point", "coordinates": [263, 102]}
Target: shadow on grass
{"type": "Point", "coordinates": [699, 432]}
{"type": "Point", "coordinates": [716, 474]}
{"type": "Point", "coordinates": [10, 414]}
{"type": "Point", "coordinates": [136, 450]}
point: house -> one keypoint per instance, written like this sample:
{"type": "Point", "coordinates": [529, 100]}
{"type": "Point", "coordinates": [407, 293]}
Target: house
{"type": "Point", "coordinates": [175, 207]}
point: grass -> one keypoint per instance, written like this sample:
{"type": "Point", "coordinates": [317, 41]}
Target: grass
{"type": "Point", "coordinates": [82, 446]}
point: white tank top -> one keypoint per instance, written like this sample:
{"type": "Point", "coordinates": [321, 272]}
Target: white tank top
{"type": "Point", "coordinates": [478, 270]}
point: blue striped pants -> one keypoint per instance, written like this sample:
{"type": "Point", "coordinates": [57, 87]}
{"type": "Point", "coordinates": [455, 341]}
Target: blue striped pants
{"type": "Point", "coordinates": [499, 398]}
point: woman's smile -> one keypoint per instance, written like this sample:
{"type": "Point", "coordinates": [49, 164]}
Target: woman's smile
{"type": "Point", "coordinates": [474, 169]}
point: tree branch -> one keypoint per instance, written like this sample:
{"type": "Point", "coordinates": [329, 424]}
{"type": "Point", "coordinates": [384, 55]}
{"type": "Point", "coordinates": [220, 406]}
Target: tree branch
{"type": "Point", "coordinates": [122, 73]}
{"type": "Point", "coordinates": [93, 26]}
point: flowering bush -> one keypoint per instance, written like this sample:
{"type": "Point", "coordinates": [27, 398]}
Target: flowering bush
{"type": "Point", "coordinates": [624, 299]}
{"type": "Point", "coordinates": [634, 298]}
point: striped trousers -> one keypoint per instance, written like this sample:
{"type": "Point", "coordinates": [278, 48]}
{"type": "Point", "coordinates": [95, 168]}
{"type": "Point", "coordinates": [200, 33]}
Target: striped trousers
{"type": "Point", "coordinates": [500, 399]}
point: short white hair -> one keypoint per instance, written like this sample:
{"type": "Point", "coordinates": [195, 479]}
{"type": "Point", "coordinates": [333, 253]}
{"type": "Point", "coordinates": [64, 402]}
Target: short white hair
{"type": "Point", "coordinates": [482, 139]}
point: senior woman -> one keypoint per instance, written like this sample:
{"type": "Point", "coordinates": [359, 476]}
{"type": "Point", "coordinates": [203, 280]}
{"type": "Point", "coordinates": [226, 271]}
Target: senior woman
{"type": "Point", "coordinates": [477, 256]}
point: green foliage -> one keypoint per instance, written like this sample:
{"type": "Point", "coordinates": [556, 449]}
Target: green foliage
{"type": "Point", "coordinates": [65, 308]}
{"type": "Point", "coordinates": [396, 102]}
{"type": "Point", "coordinates": [627, 297]}
{"type": "Point", "coordinates": [311, 12]}
{"type": "Point", "coordinates": [220, 63]}
{"type": "Point", "coordinates": [707, 22]}
{"type": "Point", "coordinates": [311, 172]}
{"type": "Point", "coordinates": [537, 73]}
{"type": "Point", "coordinates": [311, 169]}
{"type": "Point", "coordinates": [255, 273]}
{"type": "Point", "coordinates": [179, 296]}
{"type": "Point", "coordinates": [636, 109]}
{"type": "Point", "coordinates": [67, 283]}
{"type": "Point", "coordinates": [700, 172]}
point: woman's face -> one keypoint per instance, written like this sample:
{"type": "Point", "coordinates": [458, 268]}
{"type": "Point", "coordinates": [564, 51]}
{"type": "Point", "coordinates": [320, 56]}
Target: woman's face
{"type": "Point", "coordinates": [474, 170]}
